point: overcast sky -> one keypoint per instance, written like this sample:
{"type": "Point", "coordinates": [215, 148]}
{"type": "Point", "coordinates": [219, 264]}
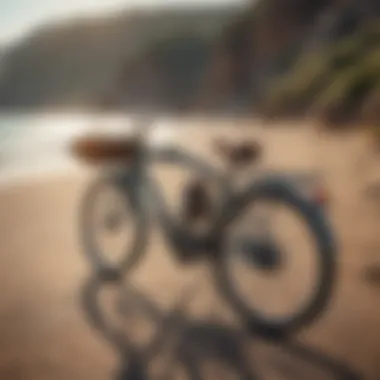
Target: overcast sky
{"type": "Point", "coordinates": [18, 16]}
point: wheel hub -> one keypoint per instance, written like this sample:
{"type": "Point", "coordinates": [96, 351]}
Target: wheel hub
{"type": "Point", "coordinates": [112, 221]}
{"type": "Point", "coordinates": [262, 253]}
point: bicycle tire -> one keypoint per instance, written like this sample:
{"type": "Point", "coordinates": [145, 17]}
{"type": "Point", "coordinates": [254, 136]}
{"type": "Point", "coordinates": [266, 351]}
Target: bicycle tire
{"type": "Point", "coordinates": [135, 251]}
{"type": "Point", "coordinates": [281, 190]}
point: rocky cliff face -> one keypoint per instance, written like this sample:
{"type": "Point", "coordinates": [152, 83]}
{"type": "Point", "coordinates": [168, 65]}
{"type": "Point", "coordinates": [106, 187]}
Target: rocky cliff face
{"type": "Point", "coordinates": [280, 30]}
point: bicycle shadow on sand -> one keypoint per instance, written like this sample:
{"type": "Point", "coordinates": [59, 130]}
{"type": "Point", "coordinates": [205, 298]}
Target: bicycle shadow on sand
{"type": "Point", "coordinates": [157, 344]}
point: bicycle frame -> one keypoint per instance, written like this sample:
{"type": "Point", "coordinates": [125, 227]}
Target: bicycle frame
{"type": "Point", "coordinates": [147, 197]}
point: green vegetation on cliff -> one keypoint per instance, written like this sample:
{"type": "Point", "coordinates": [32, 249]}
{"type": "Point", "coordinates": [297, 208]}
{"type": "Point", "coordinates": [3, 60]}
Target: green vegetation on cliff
{"type": "Point", "coordinates": [339, 83]}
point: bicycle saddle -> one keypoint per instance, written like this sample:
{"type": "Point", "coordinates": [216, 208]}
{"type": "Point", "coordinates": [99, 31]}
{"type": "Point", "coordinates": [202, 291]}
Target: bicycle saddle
{"type": "Point", "coordinates": [236, 154]}
{"type": "Point", "coordinates": [102, 149]}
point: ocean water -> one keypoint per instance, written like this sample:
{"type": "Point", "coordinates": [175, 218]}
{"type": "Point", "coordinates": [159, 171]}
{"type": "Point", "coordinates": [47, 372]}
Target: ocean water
{"type": "Point", "coordinates": [34, 146]}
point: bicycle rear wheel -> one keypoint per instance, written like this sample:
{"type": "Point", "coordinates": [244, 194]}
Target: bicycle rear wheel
{"type": "Point", "coordinates": [122, 210]}
{"type": "Point", "coordinates": [276, 324]}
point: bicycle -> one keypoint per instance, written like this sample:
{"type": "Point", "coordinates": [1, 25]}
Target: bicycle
{"type": "Point", "coordinates": [132, 156]}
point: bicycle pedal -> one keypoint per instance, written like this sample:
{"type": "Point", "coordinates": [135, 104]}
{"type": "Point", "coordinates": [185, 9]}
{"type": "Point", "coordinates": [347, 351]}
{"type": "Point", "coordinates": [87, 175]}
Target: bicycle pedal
{"type": "Point", "coordinates": [109, 275]}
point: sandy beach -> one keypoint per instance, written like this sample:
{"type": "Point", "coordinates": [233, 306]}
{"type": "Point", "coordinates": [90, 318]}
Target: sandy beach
{"type": "Point", "coordinates": [43, 332]}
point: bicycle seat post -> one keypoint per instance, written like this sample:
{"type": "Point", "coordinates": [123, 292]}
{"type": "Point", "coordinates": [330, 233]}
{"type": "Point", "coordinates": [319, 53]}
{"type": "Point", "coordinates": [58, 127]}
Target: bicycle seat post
{"type": "Point", "coordinates": [143, 128]}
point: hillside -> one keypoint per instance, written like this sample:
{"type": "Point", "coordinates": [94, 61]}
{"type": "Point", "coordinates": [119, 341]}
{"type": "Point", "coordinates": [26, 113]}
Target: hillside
{"type": "Point", "coordinates": [82, 63]}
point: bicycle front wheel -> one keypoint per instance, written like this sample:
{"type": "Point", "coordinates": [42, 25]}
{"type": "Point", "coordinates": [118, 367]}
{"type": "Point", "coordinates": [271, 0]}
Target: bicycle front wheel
{"type": "Point", "coordinates": [278, 288]}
